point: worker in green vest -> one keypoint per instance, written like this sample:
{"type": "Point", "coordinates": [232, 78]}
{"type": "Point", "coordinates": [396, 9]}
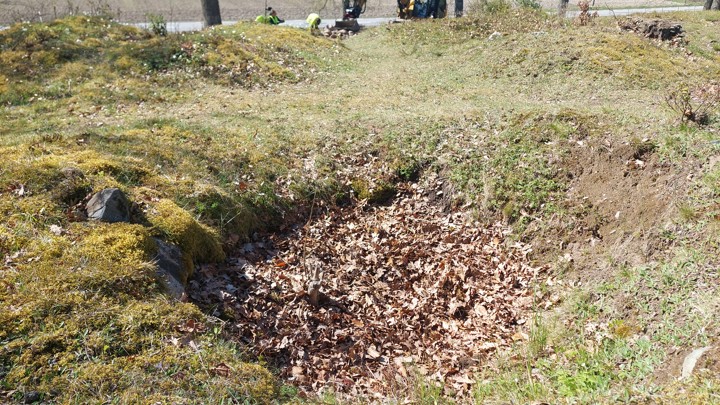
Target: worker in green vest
{"type": "Point", "coordinates": [269, 18]}
{"type": "Point", "coordinates": [313, 21]}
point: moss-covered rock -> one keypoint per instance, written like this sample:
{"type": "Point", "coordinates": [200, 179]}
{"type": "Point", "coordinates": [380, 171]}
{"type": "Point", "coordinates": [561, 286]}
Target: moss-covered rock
{"type": "Point", "coordinates": [198, 242]}
{"type": "Point", "coordinates": [88, 301]}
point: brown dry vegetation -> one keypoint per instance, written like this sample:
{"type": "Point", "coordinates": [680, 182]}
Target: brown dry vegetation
{"type": "Point", "coordinates": [253, 138]}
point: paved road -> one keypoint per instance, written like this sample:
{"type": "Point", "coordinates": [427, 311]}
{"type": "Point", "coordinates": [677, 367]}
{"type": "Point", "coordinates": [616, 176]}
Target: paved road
{"type": "Point", "coordinates": [194, 26]}
{"type": "Point", "coordinates": [182, 26]}
{"type": "Point", "coordinates": [627, 11]}
{"type": "Point", "coordinates": [373, 22]}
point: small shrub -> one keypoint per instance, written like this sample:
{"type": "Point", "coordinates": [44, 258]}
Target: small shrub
{"type": "Point", "coordinates": [491, 6]}
{"type": "Point", "coordinates": [694, 105]}
{"type": "Point", "coordinates": [585, 17]}
{"type": "Point", "coordinates": [158, 25]}
{"type": "Point", "coordinates": [531, 4]}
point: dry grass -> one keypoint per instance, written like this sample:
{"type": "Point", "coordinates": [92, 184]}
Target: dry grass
{"type": "Point", "coordinates": [494, 117]}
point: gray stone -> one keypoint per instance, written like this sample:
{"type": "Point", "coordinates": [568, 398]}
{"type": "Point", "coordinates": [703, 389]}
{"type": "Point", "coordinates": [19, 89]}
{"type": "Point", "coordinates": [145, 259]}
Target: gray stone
{"type": "Point", "coordinates": [70, 172]}
{"type": "Point", "coordinates": [31, 397]}
{"type": "Point", "coordinates": [109, 205]}
{"type": "Point", "coordinates": [170, 268]}
{"type": "Point", "coordinates": [691, 360]}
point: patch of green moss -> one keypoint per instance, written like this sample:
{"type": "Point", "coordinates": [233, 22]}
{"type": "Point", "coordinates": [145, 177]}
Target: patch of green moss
{"type": "Point", "coordinates": [378, 193]}
{"type": "Point", "coordinates": [35, 174]}
{"type": "Point", "coordinates": [408, 169]}
{"type": "Point", "coordinates": [127, 171]}
{"type": "Point", "coordinates": [119, 242]}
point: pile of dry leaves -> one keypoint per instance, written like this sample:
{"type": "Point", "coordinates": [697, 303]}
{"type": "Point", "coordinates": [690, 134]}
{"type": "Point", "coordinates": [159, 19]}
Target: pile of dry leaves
{"type": "Point", "coordinates": [407, 290]}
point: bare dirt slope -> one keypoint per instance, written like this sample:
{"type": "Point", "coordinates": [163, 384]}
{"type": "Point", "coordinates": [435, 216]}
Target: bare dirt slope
{"type": "Point", "coordinates": [628, 198]}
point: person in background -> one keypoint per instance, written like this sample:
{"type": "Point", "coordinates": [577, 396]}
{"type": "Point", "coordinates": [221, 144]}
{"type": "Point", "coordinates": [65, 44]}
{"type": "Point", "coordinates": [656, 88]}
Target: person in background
{"type": "Point", "coordinates": [313, 21]}
{"type": "Point", "coordinates": [274, 19]}
{"type": "Point", "coordinates": [270, 17]}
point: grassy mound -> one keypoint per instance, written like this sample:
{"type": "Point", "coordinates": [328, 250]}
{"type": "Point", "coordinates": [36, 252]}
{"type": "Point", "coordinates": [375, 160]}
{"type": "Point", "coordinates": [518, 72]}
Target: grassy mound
{"type": "Point", "coordinates": [531, 46]}
{"type": "Point", "coordinates": [84, 56]}
{"type": "Point", "coordinates": [83, 315]}
{"type": "Point", "coordinates": [475, 27]}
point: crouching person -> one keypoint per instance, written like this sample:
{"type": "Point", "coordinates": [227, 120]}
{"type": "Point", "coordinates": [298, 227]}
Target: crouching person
{"type": "Point", "coordinates": [270, 17]}
{"type": "Point", "coordinates": [313, 21]}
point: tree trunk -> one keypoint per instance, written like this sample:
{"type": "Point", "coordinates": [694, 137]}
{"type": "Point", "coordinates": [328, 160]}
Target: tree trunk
{"type": "Point", "coordinates": [459, 8]}
{"type": "Point", "coordinates": [211, 12]}
{"type": "Point", "coordinates": [707, 5]}
{"type": "Point", "coordinates": [562, 7]}
{"type": "Point", "coordinates": [715, 5]}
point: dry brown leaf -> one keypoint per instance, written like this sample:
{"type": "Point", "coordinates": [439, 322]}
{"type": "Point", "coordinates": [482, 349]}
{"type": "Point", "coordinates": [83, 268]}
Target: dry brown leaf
{"type": "Point", "coordinates": [222, 370]}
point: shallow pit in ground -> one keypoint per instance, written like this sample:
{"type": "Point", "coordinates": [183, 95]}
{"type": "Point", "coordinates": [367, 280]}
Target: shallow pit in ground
{"type": "Point", "coordinates": [619, 198]}
{"type": "Point", "coordinates": [408, 291]}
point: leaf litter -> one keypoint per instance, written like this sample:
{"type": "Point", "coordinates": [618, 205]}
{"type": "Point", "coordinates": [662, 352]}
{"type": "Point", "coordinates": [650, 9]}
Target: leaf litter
{"type": "Point", "coordinates": [408, 290]}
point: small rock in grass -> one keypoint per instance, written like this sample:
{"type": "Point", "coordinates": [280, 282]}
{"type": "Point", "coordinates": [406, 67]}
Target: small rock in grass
{"type": "Point", "coordinates": [109, 205]}
{"type": "Point", "coordinates": [691, 360]}
{"type": "Point", "coordinates": [495, 35]}
{"type": "Point", "coordinates": [170, 268]}
{"type": "Point", "coordinates": [31, 397]}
